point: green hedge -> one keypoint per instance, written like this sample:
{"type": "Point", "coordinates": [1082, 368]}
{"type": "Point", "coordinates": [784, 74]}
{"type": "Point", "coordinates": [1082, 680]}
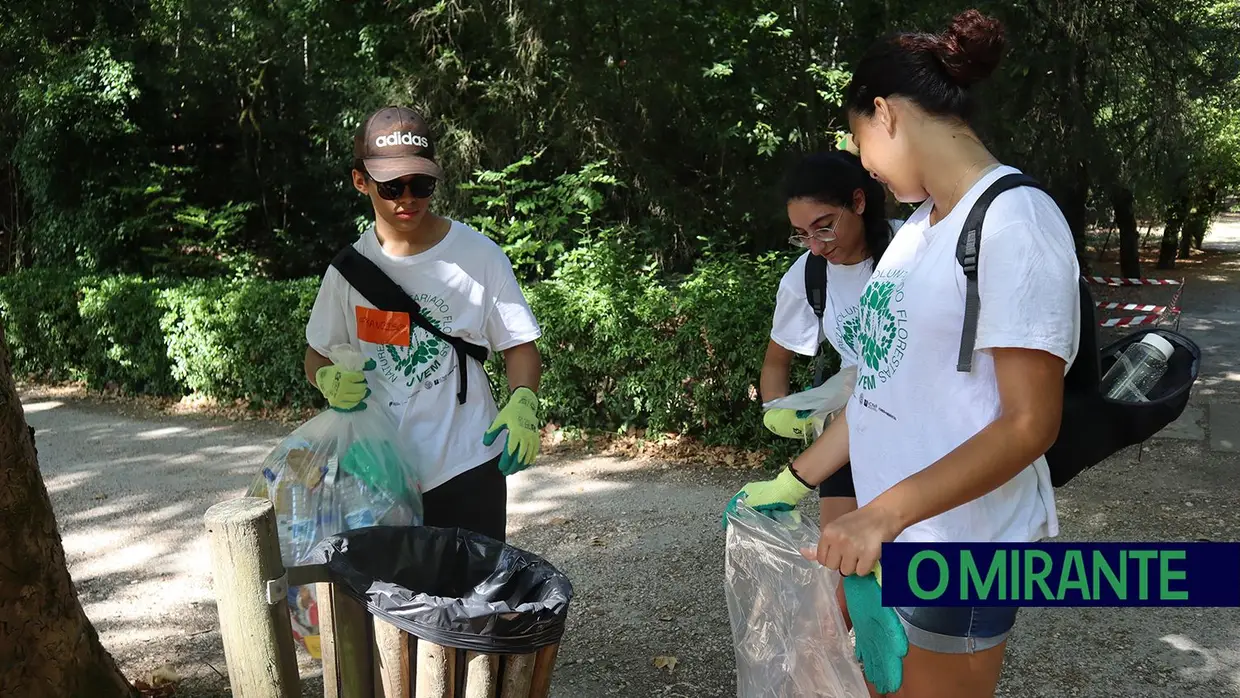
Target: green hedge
{"type": "Point", "coordinates": [623, 346]}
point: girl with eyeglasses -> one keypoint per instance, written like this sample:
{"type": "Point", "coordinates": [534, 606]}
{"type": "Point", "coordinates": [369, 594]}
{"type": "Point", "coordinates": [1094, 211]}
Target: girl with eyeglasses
{"type": "Point", "coordinates": [838, 215]}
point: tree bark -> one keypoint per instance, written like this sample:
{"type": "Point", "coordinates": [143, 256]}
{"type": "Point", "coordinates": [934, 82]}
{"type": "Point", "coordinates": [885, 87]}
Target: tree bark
{"type": "Point", "coordinates": [48, 647]}
{"type": "Point", "coordinates": [1129, 236]}
{"type": "Point", "coordinates": [1210, 208]}
{"type": "Point", "coordinates": [1171, 233]}
{"type": "Point", "coordinates": [1194, 228]}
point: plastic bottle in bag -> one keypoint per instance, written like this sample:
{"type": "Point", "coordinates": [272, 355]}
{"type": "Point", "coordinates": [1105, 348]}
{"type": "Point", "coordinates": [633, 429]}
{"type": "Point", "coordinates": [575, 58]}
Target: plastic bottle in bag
{"type": "Point", "coordinates": [1138, 369]}
{"type": "Point", "coordinates": [361, 506]}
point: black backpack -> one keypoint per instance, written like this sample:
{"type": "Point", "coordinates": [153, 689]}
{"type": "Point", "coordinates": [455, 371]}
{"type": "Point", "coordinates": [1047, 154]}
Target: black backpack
{"type": "Point", "coordinates": [1093, 427]}
{"type": "Point", "coordinates": [367, 279]}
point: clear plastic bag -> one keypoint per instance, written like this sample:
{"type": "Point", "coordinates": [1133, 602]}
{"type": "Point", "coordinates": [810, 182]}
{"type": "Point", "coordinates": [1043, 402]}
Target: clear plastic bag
{"type": "Point", "coordinates": [340, 471]}
{"type": "Point", "coordinates": [823, 401]}
{"type": "Point", "coordinates": [787, 630]}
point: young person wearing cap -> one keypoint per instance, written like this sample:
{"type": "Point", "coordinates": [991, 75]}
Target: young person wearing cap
{"type": "Point", "coordinates": [435, 389]}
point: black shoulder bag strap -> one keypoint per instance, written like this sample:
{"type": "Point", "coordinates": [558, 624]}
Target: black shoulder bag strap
{"type": "Point", "coordinates": [816, 294]}
{"type": "Point", "coordinates": [375, 286]}
{"type": "Point", "coordinates": [968, 251]}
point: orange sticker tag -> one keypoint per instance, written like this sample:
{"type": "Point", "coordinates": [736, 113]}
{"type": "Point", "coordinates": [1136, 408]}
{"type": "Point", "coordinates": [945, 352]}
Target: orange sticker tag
{"type": "Point", "coordinates": [382, 326]}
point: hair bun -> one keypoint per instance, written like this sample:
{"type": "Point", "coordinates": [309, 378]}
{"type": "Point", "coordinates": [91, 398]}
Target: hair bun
{"type": "Point", "coordinates": [971, 47]}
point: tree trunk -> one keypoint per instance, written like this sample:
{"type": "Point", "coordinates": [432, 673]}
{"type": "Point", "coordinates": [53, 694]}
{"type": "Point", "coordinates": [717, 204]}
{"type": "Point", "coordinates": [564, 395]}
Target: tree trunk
{"type": "Point", "coordinates": [1210, 208]}
{"type": "Point", "coordinates": [1129, 236]}
{"type": "Point", "coordinates": [1194, 227]}
{"type": "Point", "coordinates": [1171, 234]}
{"type": "Point", "coordinates": [48, 648]}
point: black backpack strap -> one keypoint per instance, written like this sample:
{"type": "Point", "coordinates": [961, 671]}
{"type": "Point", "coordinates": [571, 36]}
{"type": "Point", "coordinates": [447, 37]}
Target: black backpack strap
{"type": "Point", "coordinates": [367, 279]}
{"type": "Point", "coordinates": [968, 252]}
{"type": "Point", "coordinates": [816, 295]}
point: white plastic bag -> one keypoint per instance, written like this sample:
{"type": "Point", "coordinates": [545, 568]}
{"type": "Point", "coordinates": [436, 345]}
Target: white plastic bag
{"type": "Point", "coordinates": [823, 401]}
{"type": "Point", "coordinates": [787, 630]}
{"type": "Point", "coordinates": [340, 471]}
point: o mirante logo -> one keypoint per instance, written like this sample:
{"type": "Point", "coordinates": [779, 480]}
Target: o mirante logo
{"type": "Point", "coordinates": [1061, 574]}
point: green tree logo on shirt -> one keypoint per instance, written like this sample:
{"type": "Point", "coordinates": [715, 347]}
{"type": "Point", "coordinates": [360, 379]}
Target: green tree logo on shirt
{"type": "Point", "coordinates": [849, 328]}
{"type": "Point", "coordinates": [880, 324]}
{"type": "Point", "coordinates": [881, 336]}
{"type": "Point", "coordinates": [424, 357]}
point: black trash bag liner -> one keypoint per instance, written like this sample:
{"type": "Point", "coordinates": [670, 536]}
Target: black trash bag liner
{"type": "Point", "coordinates": [450, 586]}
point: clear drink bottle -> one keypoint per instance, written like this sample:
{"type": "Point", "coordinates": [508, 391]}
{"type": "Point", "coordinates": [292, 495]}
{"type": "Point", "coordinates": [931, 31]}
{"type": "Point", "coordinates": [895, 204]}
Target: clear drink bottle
{"type": "Point", "coordinates": [1138, 369]}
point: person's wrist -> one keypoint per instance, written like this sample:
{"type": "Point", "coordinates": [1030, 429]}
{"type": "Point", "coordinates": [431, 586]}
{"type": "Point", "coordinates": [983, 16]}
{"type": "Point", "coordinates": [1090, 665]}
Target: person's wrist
{"type": "Point", "coordinates": [895, 508]}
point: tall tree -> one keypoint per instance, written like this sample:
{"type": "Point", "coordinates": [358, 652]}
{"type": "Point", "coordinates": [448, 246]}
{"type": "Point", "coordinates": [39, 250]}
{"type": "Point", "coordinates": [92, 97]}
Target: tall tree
{"type": "Point", "coordinates": [48, 647]}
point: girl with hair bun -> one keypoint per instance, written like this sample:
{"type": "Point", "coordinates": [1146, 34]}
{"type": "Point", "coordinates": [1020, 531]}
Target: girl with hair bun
{"type": "Point", "coordinates": [940, 454]}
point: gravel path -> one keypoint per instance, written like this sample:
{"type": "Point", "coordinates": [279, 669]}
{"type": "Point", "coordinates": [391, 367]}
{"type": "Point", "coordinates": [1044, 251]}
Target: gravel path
{"type": "Point", "coordinates": [641, 542]}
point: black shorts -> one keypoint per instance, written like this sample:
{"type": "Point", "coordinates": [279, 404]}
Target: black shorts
{"type": "Point", "coordinates": [840, 484]}
{"type": "Point", "coordinates": [476, 500]}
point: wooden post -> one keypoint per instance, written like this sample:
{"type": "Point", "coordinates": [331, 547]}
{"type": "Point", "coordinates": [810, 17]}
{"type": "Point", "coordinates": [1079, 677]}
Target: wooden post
{"type": "Point", "coordinates": [257, 635]}
{"type": "Point", "coordinates": [345, 638]}
{"type": "Point", "coordinates": [436, 674]}
{"type": "Point", "coordinates": [518, 676]}
{"type": "Point", "coordinates": [544, 666]}
{"type": "Point", "coordinates": [393, 673]}
{"type": "Point", "coordinates": [481, 675]}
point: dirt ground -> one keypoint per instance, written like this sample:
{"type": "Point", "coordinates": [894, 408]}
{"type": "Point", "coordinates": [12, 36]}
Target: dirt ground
{"type": "Point", "coordinates": [641, 541]}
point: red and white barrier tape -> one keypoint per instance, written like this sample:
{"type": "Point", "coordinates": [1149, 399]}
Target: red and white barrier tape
{"type": "Point", "coordinates": [1132, 321]}
{"type": "Point", "coordinates": [1134, 306]}
{"type": "Point", "coordinates": [1118, 281]}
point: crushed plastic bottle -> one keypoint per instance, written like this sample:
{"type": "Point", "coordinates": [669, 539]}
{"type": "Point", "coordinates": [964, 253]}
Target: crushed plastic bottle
{"type": "Point", "coordinates": [1138, 369]}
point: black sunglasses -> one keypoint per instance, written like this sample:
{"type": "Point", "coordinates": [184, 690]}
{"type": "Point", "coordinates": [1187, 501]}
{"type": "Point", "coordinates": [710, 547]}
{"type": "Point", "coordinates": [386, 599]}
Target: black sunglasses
{"type": "Point", "coordinates": [421, 187]}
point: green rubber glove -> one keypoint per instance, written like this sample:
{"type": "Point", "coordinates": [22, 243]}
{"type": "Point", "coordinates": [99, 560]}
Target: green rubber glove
{"type": "Point", "coordinates": [779, 494]}
{"type": "Point", "coordinates": [345, 391]}
{"type": "Point", "coordinates": [520, 418]}
{"type": "Point", "coordinates": [790, 424]}
{"type": "Point", "coordinates": [881, 640]}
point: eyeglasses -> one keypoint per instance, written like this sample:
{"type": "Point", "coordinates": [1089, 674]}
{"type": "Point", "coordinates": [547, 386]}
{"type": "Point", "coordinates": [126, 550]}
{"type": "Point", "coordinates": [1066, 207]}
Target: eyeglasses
{"type": "Point", "coordinates": [421, 187]}
{"type": "Point", "coordinates": [824, 234]}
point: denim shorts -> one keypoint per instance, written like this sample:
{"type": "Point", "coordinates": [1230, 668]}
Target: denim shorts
{"type": "Point", "coordinates": [957, 629]}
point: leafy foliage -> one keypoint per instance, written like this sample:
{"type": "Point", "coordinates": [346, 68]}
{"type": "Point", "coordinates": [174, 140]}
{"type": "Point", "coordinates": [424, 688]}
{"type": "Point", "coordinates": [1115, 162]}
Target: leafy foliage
{"type": "Point", "coordinates": [623, 348]}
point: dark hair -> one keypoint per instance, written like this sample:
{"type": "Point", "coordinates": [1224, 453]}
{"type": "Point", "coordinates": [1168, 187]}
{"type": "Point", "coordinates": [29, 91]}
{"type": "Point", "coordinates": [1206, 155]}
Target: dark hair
{"type": "Point", "coordinates": [934, 70]}
{"type": "Point", "coordinates": [831, 178]}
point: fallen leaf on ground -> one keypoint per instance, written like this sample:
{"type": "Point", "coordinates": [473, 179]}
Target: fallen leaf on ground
{"type": "Point", "coordinates": [161, 683]}
{"type": "Point", "coordinates": [668, 663]}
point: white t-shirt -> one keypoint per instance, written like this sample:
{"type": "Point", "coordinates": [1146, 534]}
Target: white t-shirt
{"type": "Point", "coordinates": [795, 327]}
{"type": "Point", "coordinates": [911, 406]}
{"type": "Point", "coordinates": [465, 286]}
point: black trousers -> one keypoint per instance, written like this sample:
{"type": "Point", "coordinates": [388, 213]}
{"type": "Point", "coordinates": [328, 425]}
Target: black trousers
{"type": "Point", "coordinates": [840, 484]}
{"type": "Point", "coordinates": [476, 500]}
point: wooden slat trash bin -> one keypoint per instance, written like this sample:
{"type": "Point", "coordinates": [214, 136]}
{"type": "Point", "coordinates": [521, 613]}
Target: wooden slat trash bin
{"type": "Point", "coordinates": [426, 612]}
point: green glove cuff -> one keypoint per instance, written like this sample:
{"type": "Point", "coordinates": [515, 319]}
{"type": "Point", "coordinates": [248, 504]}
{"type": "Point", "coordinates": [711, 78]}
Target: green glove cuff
{"type": "Point", "coordinates": [526, 398]}
{"type": "Point", "coordinates": [790, 488]}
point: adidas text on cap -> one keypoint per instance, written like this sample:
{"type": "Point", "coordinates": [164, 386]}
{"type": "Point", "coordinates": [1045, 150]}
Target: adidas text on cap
{"type": "Point", "coordinates": [394, 142]}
